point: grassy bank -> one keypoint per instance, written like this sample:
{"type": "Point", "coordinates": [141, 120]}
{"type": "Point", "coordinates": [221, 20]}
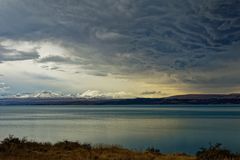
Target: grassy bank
{"type": "Point", "coordinates": [12, 148]}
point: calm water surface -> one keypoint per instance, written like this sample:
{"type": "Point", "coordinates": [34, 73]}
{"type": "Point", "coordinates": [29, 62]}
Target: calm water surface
{"type": "Point", "coordinates": [171, 128]}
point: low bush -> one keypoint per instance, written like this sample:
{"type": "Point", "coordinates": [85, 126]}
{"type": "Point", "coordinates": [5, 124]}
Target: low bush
{"type": "Point", "coordinates": [153, 150]}
{"type": "Point", "coordinates": [216, 152]}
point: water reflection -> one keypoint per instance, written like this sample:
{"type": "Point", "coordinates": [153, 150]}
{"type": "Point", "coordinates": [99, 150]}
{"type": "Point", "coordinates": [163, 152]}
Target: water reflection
{"type": "Point", "coordinates": [169, 128]}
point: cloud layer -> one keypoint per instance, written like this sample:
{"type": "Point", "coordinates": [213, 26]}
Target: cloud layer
{"type": "Point", "coordinates": [191, 45]}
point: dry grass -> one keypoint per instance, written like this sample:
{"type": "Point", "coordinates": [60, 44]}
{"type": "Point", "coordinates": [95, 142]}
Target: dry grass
{"type": "Point", "coordinates": [12, 148]}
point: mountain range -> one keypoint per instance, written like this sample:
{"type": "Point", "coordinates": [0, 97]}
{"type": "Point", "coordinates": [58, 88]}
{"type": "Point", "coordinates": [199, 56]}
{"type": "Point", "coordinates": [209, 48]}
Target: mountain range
{"type": "Point", "coordinates": [178, 99]}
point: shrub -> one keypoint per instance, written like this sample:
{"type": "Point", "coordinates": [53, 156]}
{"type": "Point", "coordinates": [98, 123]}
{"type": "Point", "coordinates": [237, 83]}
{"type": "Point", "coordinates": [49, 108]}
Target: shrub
{"type": "Point", "coordinates": [153, 150]}
{"type": "Point", "coordinates": [11, 144]}
{"type": "Point", "coordinates": [68, 145]}
{"type": "Point", "coordinates": [215, 152]}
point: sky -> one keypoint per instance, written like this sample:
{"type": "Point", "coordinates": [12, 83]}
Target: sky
{"type": "Point", "coordinates": [119, 48]}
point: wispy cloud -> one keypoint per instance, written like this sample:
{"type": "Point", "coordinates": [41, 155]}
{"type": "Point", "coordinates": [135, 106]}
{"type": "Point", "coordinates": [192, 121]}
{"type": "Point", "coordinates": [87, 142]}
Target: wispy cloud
{"type": "Point", "coordinates": [3, 87]}
{"type": "Point", "coordinates": [39, 76]}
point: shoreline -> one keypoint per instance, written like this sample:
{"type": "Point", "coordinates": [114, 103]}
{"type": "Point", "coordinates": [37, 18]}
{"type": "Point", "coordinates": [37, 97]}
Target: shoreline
{"type": "Point", "coordinates": [12, 148]}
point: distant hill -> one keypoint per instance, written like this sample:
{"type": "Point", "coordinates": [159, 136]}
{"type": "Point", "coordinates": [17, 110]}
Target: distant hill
{"type": "Point", "coordinates": [179, 99]}
{"type": "Point", "coordinates": [207, 96]}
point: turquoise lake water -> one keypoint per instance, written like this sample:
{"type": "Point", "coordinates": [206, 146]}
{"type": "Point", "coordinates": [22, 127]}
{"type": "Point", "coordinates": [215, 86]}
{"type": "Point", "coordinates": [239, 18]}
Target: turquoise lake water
{"type": "Point", "coordinates": [171, 128]}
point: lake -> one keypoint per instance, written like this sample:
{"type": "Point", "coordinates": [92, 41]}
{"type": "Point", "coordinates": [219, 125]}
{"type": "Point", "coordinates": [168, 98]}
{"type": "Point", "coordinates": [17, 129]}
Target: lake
{"type": "Point", "coordinates": [171, 128]}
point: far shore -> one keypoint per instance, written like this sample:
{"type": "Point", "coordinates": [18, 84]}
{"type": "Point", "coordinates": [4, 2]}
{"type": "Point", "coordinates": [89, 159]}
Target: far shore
{"type": "Point", "coordinates": [12, 148]}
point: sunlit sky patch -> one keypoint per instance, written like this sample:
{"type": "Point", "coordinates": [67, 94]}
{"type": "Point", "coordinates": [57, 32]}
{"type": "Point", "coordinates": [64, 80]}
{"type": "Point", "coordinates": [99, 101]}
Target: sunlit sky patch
{"type": "Point", "coordinates": [119, 48]}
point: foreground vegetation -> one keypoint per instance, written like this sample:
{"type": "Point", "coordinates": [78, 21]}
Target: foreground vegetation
{"type": "Point", "coordinates": [12, 148]}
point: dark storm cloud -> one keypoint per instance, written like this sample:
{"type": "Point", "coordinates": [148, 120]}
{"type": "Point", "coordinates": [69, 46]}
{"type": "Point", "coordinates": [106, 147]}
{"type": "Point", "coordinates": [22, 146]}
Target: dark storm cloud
{"type": "Point", "coordinates": [57, 59]}
{"type": "Point", "coordinates": [18, 56]}
{"type": "Point", "coordinates": [135, 37]}
{"type": "Point", "coordinates": [14, 55]}
{"type": "Point", "coordinates": [54, 68]}
{"type": "Point", "coordinates": [97, 73]}
{"type": "Point", "coordinates": [39, 76]}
